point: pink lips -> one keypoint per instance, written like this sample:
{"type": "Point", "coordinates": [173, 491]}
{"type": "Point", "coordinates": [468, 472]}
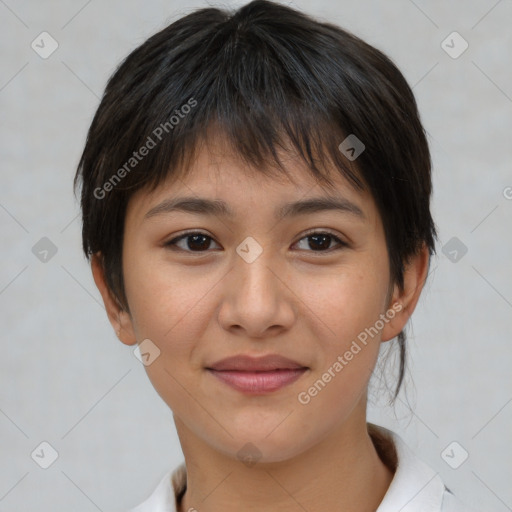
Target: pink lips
{"type": "Point", "coordinates": [257, 375]}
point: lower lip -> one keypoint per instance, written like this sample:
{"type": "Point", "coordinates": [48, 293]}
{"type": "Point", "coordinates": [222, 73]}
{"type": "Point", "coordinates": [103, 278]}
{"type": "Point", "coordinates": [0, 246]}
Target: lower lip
{"type": "Point", "coordinates": [258, 382]}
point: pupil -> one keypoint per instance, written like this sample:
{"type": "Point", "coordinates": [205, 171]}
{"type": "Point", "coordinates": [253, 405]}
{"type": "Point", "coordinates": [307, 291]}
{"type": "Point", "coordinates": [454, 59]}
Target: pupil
{"type": "Point", "coordinates": [191, 245]}
{"type": "Point", "coordinates": [323, 237]}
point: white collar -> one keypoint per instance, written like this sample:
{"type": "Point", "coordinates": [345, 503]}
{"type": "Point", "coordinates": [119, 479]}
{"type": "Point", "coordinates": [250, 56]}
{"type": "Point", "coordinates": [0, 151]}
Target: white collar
{"type": "Point", "coordinates": [415, 485]}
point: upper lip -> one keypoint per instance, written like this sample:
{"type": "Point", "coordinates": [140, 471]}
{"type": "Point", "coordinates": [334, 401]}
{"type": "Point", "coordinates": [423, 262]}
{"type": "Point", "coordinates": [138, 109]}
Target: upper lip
{"type": "Point", "coordinates": [249, 363]}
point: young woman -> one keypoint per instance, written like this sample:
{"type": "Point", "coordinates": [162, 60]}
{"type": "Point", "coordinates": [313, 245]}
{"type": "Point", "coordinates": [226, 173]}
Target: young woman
{"type": "Point", "coordinates": [255, 189]}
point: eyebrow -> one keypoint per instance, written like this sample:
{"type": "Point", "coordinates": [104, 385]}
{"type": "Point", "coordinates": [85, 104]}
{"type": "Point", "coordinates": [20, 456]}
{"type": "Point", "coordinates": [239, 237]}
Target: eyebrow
{"type": "Point", "coordinates": [218, 207]}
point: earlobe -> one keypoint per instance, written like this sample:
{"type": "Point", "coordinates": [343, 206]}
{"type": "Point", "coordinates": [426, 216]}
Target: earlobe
{"type": "Point", "coordinates": [119, 319]}
{"type": "Point", "coordinates": [403, 302]}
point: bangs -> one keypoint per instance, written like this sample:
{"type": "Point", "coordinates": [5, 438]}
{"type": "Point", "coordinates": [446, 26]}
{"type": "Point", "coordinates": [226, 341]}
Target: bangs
{"type": "Point", "coordinates": [248, 87]}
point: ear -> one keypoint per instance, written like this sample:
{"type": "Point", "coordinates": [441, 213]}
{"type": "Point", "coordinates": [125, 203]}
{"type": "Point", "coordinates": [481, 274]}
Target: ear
{"type": "Point", "coordinates": [403, 302]}
{"type": "Point", "coordinates": [120, 320]}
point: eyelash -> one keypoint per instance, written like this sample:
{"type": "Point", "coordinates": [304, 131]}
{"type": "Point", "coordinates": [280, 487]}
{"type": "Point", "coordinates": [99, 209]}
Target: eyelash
{"type": "Point", "coordinates": [171, 244]}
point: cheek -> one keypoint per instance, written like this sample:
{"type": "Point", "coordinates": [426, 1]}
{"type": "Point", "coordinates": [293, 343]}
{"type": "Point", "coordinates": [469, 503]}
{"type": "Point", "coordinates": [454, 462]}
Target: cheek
{"type": "Point", "coordinates": [345, 303]}
{"type": "Point", "coordinates": [161, 297]}
{"type": "Point", "coordinates": [171, 308]}
{"type": "Point", "coordinates": [343, 312]}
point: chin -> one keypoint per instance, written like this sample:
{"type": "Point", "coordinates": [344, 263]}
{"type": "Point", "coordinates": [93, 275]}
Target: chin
{"type": "Point", "coordinates": [258, 447]}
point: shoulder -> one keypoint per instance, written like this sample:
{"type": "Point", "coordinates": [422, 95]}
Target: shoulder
{"type": "Point", "coordinates": [415, 485]}
{"type": "Point", "coordinates": [165, 495]}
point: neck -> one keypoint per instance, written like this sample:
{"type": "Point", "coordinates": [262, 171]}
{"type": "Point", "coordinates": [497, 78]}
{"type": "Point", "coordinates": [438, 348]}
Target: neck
{"type": "Point", "coordinates": [342, 472]}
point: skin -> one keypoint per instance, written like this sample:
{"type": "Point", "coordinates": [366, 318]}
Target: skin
{"type": "Point", "coordinates": [308, 305]}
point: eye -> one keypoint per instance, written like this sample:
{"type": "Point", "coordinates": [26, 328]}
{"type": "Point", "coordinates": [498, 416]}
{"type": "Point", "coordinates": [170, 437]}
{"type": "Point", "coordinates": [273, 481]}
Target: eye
{"type": "Point", "coordinates": [192, 242]}
{"type": "Point", "coordinates": [320, 241]}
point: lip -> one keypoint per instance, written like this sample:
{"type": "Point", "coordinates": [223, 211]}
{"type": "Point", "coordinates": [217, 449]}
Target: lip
{"type": "Point", "coordinates": [255, 364]}
{"type": "Point", "coordinates": [257, 375]}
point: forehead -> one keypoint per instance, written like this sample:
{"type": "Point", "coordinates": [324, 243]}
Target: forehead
{"type": "Point", "coordinates": [217, 172]}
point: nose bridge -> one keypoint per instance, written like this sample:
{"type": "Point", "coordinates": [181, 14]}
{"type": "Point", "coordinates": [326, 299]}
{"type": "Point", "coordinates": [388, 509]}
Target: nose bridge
{"type": "Point", "coordinates": [257, 298]}
{"type": "Point", "coordinates": [254, 277]}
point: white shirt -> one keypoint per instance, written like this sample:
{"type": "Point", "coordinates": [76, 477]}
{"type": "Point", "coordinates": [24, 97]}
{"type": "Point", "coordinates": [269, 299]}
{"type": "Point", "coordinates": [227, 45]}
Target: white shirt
{"type": "Point", "coordinates": [415, 486]}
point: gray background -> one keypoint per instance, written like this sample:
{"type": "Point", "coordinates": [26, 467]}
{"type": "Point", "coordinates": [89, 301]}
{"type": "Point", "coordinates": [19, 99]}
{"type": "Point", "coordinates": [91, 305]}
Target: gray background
{"type": "Point", "coordinates": [66, 380]}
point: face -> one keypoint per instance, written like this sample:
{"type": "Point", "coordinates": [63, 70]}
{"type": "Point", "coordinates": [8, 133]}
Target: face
{"type": "Point", "coordinates": [206, 285]}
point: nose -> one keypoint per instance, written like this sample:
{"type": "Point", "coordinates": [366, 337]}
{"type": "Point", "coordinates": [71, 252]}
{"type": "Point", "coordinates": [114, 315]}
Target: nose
{"type": "Point", "coordinates": [257, 302]}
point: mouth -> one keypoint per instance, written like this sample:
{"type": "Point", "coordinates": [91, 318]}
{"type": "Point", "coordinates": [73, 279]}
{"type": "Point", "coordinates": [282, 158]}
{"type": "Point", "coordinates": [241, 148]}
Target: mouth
{"type": "Point", "coordinates": [260, 375]}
